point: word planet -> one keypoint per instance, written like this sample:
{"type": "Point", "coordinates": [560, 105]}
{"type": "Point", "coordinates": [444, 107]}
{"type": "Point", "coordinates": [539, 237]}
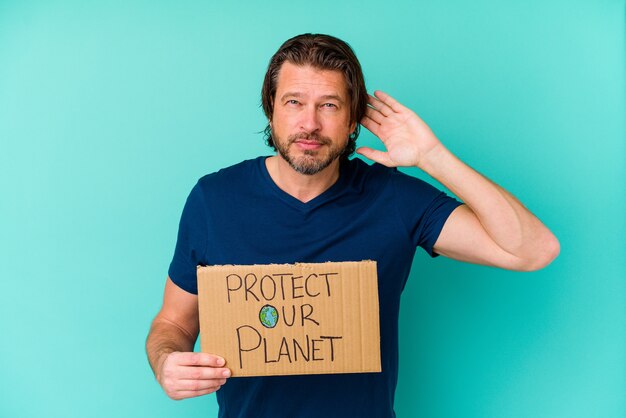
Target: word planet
{"type": "Point", "coordinates": [268, 316]}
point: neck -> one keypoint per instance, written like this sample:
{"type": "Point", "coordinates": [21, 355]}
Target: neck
{"type": "Point", "coordinates": [302, 187]}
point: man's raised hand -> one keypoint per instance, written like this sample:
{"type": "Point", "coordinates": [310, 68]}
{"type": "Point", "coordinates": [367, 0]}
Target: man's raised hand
{"type": "Point", "coordinates": [405, 136]}
{"type": "Point", "coordinates": [187, 375]}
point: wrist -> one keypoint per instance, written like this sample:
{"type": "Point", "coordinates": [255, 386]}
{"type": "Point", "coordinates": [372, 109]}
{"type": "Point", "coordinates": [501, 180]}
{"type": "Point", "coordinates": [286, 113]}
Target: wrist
{"type": "Point", "coordinates": [433, 160]}
{"type": "Point", "coordinates": [160, 361]}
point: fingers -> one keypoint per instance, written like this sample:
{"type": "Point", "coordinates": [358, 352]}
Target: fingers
{"type": "Point", "coordinates": [382, 106]}
{"type": "Point", "coordinates": [371, 125]}
{"type": "Point", "coordinates": [375, 155]}
{"type": "Point", "coordinates": [202, 373]}
{"type": "Point", "coordinates": [375, 115]}
{"type": "Point", "coordinates": [185, 375]}
{"type": "Point", "coordinates": [197, 359]}
{"type": "Point", "coordinates": [389, 101]}
{"type": "Point", "coordinates": [199, 385]}
{"type": "Point", "coordinates": [379, 106]}
{"type": "Point", "coordinates": [184, 394]}
{"type": "Point", "coordinates": [181, 389]}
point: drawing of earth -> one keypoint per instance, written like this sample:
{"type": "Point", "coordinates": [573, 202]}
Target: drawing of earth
{"type": "Point", "coordinates": [268, 316]}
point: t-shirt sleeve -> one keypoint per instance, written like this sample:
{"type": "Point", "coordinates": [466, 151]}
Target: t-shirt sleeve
{"type": "Point", "coordinates": [423, 208]}
{"type": "Point", "coordinates": [191, 243]}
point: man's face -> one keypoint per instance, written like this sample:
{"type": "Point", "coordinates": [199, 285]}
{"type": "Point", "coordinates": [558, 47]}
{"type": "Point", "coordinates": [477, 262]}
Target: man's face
{"type": "Point", "coordinates": [311, 118]}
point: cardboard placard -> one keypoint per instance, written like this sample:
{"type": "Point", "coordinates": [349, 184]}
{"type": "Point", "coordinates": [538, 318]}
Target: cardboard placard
{"type": "Point", "coordinates": [283, 319]}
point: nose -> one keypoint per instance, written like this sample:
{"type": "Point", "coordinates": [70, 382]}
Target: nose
{"type": "Point", "coordinates": [310, 119]}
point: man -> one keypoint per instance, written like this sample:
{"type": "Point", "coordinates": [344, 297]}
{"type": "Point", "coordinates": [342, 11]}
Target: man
{"type": "Point", "coordinates": [310, 203]}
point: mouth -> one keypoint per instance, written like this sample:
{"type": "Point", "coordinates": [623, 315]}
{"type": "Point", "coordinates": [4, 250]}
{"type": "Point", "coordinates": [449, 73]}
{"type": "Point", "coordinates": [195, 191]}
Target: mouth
{"type": "Point", "coordinates": [307, 144]}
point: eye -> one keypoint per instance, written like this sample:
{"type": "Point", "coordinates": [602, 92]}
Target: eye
{"type": "Point", "coordinates": [329, 105]}
{"type": "Point", "coordinates": [292, 101]}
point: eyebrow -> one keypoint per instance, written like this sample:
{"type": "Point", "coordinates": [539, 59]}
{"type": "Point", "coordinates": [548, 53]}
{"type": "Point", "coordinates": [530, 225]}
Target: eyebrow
{"type": "Point", "coordinates": [324, 97]}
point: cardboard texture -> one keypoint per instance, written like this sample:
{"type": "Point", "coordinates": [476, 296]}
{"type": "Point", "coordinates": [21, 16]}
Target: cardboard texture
{"type": "Point", "coordinates": [283, 319]}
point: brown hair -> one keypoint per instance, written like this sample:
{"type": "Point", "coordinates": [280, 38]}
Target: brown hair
{"type": "Point", "coordinates": [323, 52]}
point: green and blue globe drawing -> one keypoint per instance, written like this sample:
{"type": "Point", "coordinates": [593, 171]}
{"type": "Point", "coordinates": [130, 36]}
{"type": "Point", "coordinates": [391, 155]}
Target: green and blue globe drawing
{"type": "Point", "coordinates": [268, 316]}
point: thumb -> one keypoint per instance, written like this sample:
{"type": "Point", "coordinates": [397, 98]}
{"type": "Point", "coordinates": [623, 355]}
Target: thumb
{"type": "Point", "coordinates": [376, 156]}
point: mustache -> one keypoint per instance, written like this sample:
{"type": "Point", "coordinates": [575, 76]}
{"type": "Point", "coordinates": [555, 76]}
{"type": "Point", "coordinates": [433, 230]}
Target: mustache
{"type": "Point", "coordinates": [324, 140]}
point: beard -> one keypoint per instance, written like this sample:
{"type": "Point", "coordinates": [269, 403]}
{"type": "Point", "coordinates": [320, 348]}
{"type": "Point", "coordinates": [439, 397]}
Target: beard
{"type": "Point", "coordinates": [311, 162]}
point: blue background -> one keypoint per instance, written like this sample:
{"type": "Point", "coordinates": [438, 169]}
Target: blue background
{"type": "Point", "coordinates": [110, 111]}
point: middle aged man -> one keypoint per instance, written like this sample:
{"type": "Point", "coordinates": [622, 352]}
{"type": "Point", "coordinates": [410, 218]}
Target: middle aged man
{"type": "Point", "coordinates": [310, 203]}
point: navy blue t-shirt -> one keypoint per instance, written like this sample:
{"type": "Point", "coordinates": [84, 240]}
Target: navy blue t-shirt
{"type": "Point", "coordinates": [238, 215]}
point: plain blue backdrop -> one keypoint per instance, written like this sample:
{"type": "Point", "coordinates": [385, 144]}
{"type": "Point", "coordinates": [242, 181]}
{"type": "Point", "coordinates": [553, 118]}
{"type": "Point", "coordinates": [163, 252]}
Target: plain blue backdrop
{"type": "Point", "coordinates": [110, 112]}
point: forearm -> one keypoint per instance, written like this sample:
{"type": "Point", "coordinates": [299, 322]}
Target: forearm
{"type": "Point", "coordinates": [509, 224]}
{"type": "Point", "coordinates": [494, 228]}
{"type": "Point", "coordinates": [165, 337]}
